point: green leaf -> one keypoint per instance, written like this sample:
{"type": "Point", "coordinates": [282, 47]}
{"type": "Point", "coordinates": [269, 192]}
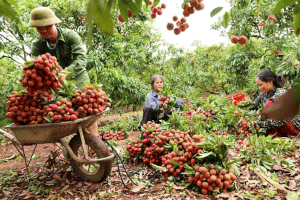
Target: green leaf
{"type": "Point", "coordinates": [266, 165]}
{"type": "Point", "coordinates": [29, 63]}
{"type": "Point", "coordinates": [6, 9]}
{"type": "Point", "coordinates": [175, 148]}
{"type": "Point", "coordinates": [235, 169]}
{"type": "Point", "coordinates": [123, 9]}
{"type": "Point", "coordinates": [187, 167]}
{"type": "Point", "coordinates": [99, 14]}
{"type": "Point", "coordinates": [215, 11]}
{"type": "Point", "coordinates": [155, 3]}
{"type": "Point", "coordinates": [176, 164]}
{"type": "Point", "coordinates": [139, 4]}
{"type": "Point", "coordinates": [282, 4]}
{"type": "Point", "coordinates": [251, 165]}
{"type": "Point", "coordinates": [188, 173]}
{"type": "Point", "coordinates": [87, 83]}
{"type": "Point", "coordinates": [110, 4]}
{"type": "Point", "coordinates": [226, 20]}
{"type": "Point", "coordinates": [48, 119]}
{"type": "Point", "coordinates": [296, 22]}
{"type": "Point", "coordinates": [261, 168]}
{"type": "Point", "coordinates": [159, 168]}
{"type": "Point", "coordinates": [204, 155]}
{"type": "Point", "coordinates": [147, 2]}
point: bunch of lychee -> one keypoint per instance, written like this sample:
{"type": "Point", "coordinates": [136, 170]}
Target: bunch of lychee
{"type": "Point", "coordinates": [129, 13]}
{"type": "Point", "coordinates": [22, 108]}
{"type": "Point", "coordinates": [242, 40]}
{"type": "Point", "coordinates": [119, 135]}
{"type": "Point", "coordinates": [189, 8]}
{"type": "Point", "coordinates": [164, 101]}
{"type": "Point", "coordinates": [83, 18]}
{"type": "Point", "coordinates": [89, 101]}
{"type": "Point", "coordinates": [59, 111]}
{"type": "Point", "coordinates": [156, 10]}
{"type": "Point", "coordinates": [209, 179]}
{"type": "Point", "coordinates": [41, 77]}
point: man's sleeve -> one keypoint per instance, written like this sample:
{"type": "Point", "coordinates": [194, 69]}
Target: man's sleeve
{"type": "Point", "coordinates": [35, 49]}
{"type": "Point", "coordinates": [79, 55]}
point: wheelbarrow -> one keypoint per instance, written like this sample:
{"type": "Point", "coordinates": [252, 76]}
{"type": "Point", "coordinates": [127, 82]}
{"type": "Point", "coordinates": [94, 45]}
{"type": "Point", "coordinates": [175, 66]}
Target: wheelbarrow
{"type": "Point", "coordinates": [88, 155]}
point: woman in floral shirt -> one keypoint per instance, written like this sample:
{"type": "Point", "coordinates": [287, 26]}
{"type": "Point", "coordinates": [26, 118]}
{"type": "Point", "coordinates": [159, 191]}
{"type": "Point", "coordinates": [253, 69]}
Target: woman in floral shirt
{"type": "Point", "coordinates": [270, 86]}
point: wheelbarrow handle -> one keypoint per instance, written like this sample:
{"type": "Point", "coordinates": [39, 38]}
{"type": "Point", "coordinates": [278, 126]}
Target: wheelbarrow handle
{"type": "Point", "coordinates": [9, 136]}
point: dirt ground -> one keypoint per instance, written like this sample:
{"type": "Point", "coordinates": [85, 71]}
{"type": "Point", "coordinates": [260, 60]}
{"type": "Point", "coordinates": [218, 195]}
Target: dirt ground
{"type": "Point", "coordinates": [65, 184]}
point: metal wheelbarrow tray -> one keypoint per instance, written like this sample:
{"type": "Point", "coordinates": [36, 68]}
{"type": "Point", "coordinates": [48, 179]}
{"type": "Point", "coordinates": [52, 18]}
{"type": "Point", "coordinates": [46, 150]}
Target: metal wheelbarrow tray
{"type": "Point", "coordinates": [50, 132]}
{"type": "Point", "coordinates": [80, 149]}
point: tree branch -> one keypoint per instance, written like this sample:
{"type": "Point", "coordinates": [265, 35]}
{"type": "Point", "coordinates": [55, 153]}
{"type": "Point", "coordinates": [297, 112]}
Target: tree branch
{"type": "Point", "coordinates": [23, 48]}
{"type": "Point", "coordinates": [10, 58]}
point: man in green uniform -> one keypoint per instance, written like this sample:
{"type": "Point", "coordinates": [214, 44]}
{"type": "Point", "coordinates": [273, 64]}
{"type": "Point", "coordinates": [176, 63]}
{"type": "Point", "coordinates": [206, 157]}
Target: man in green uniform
{"type": "Point", "coordinates": [65, 44]}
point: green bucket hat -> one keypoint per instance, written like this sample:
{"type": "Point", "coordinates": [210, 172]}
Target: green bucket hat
{"type": "Point", "coordinates": [42, 16]}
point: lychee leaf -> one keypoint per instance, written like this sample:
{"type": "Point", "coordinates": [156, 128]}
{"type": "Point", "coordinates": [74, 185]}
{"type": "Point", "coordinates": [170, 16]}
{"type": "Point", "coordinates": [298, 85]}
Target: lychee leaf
{"type": "Point", "coordinates": [29, 63]}
{"type": "Point", "coordinates": [110, 4]}
{"type": "Point", "coordinates": [296, 22]}
{"type": "Point", "coordinates": [6, 9]}
{"type": "Point", "coordinates": [262, 169]}
{"type": "Point", "coordinates": [139, 4]}
{"type": "Point", "coordinates": [236, 170]}
{"type": "Point", "coordinates": [188, 168]}
{"type": "Point", "coordinates": [147, 2]}
{"type": "Point", "coordinates": [123, 10]}
{"type": "Point", "coordinates": [48, 119]}
{"type": "Point", "coordinates": [176, 164]}
{"type": "Point", "coordinates": [159, 168]}
{"type": "Point", "coordinates": [204, 155]}
{"type": "Point", "coordinates": [216, 11]}
{"type": "Point", "coordinates": [175, 148]}
{"type": "Point", "coordinates": [282, 4]}
{"type": "Point", "coordinates": [251, 165]}
{"type": "Point", "coordinates": [188, 173]}
{"type": "Point", "coordinates": [155, 3]}
{"type": "Point", "coordinates": [226, 20]}
{"type": "Point", "coordinates": [131, 5]}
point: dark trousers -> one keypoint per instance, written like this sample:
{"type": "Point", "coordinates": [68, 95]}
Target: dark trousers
{"type": "Point", "coordinates": [150, 114]}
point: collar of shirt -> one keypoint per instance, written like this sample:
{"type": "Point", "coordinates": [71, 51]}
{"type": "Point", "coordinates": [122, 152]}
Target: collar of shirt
{"type": "Point", "coordinates": [154, 94]}
{"type": "Point", "coordinates": [271, 93]}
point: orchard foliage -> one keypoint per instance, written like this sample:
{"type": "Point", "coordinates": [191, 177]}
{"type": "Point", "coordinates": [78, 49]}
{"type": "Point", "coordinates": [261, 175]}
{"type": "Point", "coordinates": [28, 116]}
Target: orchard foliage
{"type": "Point", "coordinates": [124, 61]}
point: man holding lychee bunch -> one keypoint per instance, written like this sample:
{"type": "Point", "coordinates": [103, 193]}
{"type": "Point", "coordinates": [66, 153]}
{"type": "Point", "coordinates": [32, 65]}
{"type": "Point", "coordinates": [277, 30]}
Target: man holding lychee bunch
{"type": "Point", "coordinates": [65, 44]}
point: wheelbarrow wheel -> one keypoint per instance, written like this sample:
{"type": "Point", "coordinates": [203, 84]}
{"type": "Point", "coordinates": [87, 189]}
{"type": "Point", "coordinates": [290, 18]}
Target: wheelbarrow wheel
{"type": "Point", "coordinates": [96, 149]}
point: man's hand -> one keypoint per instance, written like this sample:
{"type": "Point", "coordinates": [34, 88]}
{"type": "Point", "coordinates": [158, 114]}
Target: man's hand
{"type": "Point", "coordinates": [64, 76]}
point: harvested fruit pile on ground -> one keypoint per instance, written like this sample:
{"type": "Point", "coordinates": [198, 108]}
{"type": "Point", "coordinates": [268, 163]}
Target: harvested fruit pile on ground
{"type": "Point", "coordinates": [119, 135]}
{"type": "Point", "coordinates": [179, 155]}
{"type": "Point", "coordinates": [41, 76]}
{"type": "Point", "coordinates": [35, 105]}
